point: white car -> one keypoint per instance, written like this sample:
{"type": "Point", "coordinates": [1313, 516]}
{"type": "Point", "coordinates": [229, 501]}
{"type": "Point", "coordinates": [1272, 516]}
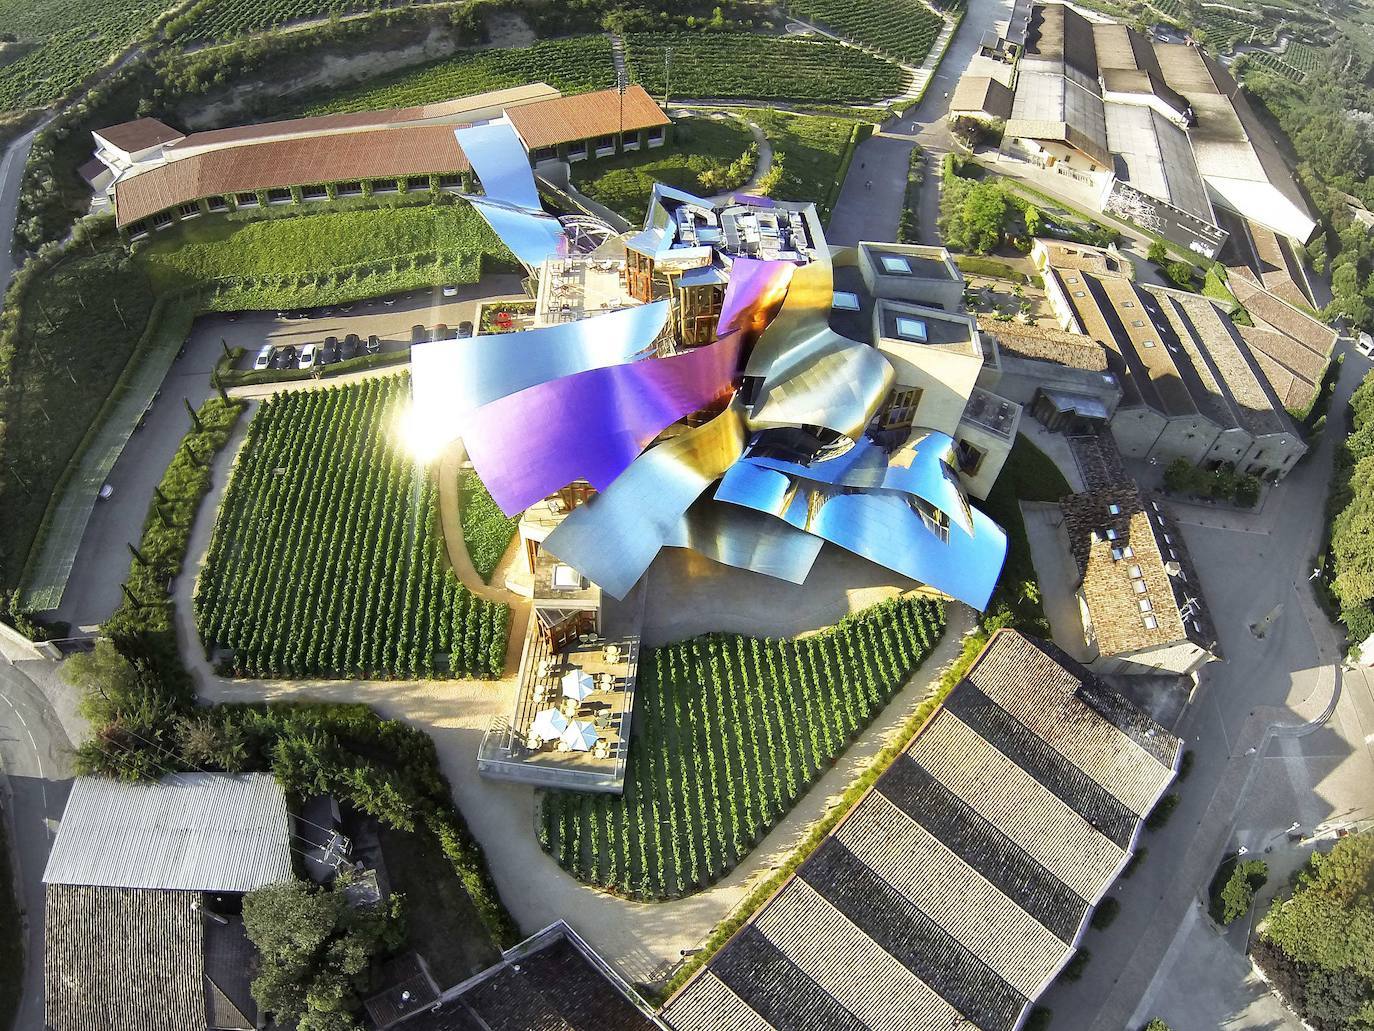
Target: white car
{"type": "Point", "coordinates": [307, 359]}
{"type": "Point", "coordinates": [450, 291]}
{"type": "Point", "coordinates": [263, 360]}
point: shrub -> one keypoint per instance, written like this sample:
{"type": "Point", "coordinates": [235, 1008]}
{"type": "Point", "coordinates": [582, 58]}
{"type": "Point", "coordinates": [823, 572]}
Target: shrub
{"type": "Point", "coordinates": [1160, 814]}
{"type": "Point", "coordinates": [1073, 969]}
{"type": "Point", "coordinates": [1156, 1025]}
{"type": "Point", "coordinates": [1233, 888]}
{"type": "Point", "coordinates": [1180, 272]}
{"type": "Point", "coordinates": [1158, 253]}
{"type": "Point", "coordinates": [1105, 913]}
{"type": "Point", "coordinates": [1185, 764]}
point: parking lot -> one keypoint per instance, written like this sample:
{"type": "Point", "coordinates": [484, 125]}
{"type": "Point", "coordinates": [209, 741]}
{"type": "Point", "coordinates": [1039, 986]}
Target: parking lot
{"type": "Point", "coordinates": [332, 334]}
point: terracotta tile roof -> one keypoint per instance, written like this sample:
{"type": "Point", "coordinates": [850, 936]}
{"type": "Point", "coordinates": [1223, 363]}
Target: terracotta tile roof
{"type": "Point", "coordinates": [1285, 318]}
{"type": "Point", "coordinates": [382, 153]}
{"type": "Point", "coordinates": [390, 118]}
{"type": "Point", "coordinates": [140, 134]}
{"type": "Point", "coordinates": [585, 117]}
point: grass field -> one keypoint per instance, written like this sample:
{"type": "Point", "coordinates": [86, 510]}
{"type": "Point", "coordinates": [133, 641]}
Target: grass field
{"type": "Point", "coordinates": [729, 732]}
{"type": "Point", "coordinates": [573, 65]}
{"type": "Point", "coordinates": [696, 147]}
{"type": "Point", "coordinates": [812, 149]}
{"type": "Point", "coordinates": [327, 559]}
{"type": "Point", "coordinates": [487, 531]}
{"type": "Point", "coordinates": [73, 39]}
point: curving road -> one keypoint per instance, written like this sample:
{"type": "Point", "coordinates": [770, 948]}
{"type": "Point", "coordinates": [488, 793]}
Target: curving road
{"type": "Point", "coordinates": [11, 176]}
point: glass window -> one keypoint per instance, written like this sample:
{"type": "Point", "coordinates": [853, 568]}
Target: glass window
{"type": "Point", "coordinates": [1128, 552]}
{"type": "Point", "coordinates": [1116, 554]}
{"type": "Point", "coordinates": [1151, 623]}
{"type": "Point", "coordinates": [845, 301]}
{"type": "Point", "coordinates": [911, 329]}
{"type": "Point", "coordinates": [1135, 572]}
{"type": "Point", "coordinates": [1145, 605]}
{"type": "Point", "coordinates": [896, 263]}
{"type": "Point", "coordinates": [1139, 586]}
{"type": "Point", "coordinates": [1148, 343]}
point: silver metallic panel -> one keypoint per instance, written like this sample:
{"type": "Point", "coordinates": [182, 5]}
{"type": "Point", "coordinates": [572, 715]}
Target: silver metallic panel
{"type": "Point", "coordinates": [735, 536]}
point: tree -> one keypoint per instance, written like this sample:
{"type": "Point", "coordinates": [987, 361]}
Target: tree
{"type": "Point", "coordinates": [983, 213]}
{"type": "Point", "coordinates": [1158, 253]}
{"type": "Point", "coordinates": [1329, 921]}
{"type": "Point", "coordinates": [1105, 912]}
{"type": "Point", "coordinates": [1180, 477]}
{"type": "Point", "coordinates": [1180, 272]}
{"type": "Point", "coordinates": [316, 952]}
{"type": "Point", "coordinates": [1156, 1025]}
{"type": "Point", "coordinates": [1238, 892]}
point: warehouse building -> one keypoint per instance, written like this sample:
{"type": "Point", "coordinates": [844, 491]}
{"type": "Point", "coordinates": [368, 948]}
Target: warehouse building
{"type": "Point", "coordinates": [959, 885]}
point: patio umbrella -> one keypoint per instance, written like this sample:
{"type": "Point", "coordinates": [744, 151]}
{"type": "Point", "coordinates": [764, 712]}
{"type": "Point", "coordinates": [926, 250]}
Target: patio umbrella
{"type": "Point", "coordinates": [580, 735]}
{"type": "Point", "coordinates": [549, 724]}
{"type": "Point", "coordinates": [578, 684]}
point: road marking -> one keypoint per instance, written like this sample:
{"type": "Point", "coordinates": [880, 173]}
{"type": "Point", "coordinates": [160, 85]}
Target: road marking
{"type": "Point", "coordinates": [38, 758]}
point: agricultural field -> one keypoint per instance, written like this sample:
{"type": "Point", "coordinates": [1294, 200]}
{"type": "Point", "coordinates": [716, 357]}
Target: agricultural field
{"type": "Point", "coordinates": [327, 559]}
{"type": "Point", "coordinates": [221, 20]}
{"type": "Point", "coordinates": [729, 732]}
{"type": "Point", "coordinates": [900, 29]}
{"type": "Point", "coordinates": [73, 39]}
{"type": "Point", "coordinates": [1224, 29]}
{"type": "Point", "coordinates": [1278, 65]}
{"type": "Point", "coordinates": [750, 66]}
{"type": "Point", "coordinates": [573, 65]}
{"type": "Point", "coordinates": [487, 531]}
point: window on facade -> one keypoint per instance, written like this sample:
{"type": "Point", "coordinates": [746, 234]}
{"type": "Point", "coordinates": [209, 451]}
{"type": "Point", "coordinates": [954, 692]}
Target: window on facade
{"type": "Point", "coordinates": [1116, 554]}
{"type": "Point", "coordinates": [1145, 605]}
{"type": "Point", "coordinates": [901, 408]}
{"type": "Point", "coordinates": [1079, 293]}
{"type": "Point", "coordinates": [1151, 623]}
{"type": "Point", "coordinates": [247, 200]}
{"type": "Point", "coordinates": [1135, 572]}
{"type": "Point", "coordinates": [1139, 586]}
{"type": "Point", "coordinates": [656, 135]}
{"type": "Point", "coordinates": [911, 329]}
{"type": "Point", "coordinates": [896, 264]}
{"type": "Point", "coordinates": [1111, 535]}
{"type": "Point", "coordinates": [1128, 552]}
{"type": "Point", "coordinates": [605, 142]}
{"type": "Point", "coordinates": [188, 210]}
{"type": "Point", "coordinates": [970, 457]}
{"type": "Point", "coordinates": [1137, 323]}
{"type": "Point", "coordinates": [1147, 343]}
{"type": "Point", "coordinates": [1114, 509]}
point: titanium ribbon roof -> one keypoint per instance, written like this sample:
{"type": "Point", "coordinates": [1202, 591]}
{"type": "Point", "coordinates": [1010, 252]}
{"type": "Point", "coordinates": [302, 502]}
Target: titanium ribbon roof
{"type": "Point", "coordinates": [450, 379]}
{"type": "Point", "coordinates": [591, 424]}
{"type": "Point", "coordinates": [920, 467]}
{"type": "Point", "coordinates": [510, 203]}
{"type": "Point", "coordinates": [614, 537]}
{"type": "Point", "coordinates": [745, 539]}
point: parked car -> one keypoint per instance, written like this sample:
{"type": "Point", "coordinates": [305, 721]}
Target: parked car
{"type": "Point", "coordinates": [450, 291]}
{"type": "Point", "coordinates": [418, 334]}
{"type": "Point", "coordinates": [464, 329]}
{"type": "Point", "coordinates": [329, 353]}
{"type": "Point", "coordinates": [351, 346]}
{"type": "Point", "coordinates": [307, 358]}
{"type": "Point", "coordinates": [374, 343]}
{"type": "Point", "coordinates": [284, 358]}
{"type": "Point", "coordinates": [264, 359]}
{"type": "Point", "coordinates": [1365, 345]}
{"type": "Point", "coordinates": [441, 332]}
{"type": "Point", "coordinates": [388, 301]}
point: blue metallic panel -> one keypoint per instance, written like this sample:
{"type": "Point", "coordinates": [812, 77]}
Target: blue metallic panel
{"type": "Point", "coordinates": [738, 537]}
{"type": "Point", "coordinates": [498, 157]}
{"type": "Point", "coordinates": [532, 236]}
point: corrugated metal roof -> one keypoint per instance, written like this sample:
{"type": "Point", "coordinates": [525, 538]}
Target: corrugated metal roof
{"type": "Point", "coordinates": [189, 831]}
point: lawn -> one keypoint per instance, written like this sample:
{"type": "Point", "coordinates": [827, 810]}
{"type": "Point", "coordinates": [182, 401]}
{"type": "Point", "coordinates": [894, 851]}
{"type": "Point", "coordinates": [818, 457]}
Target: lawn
{"type": "Point", "coordinates": [729, 732]}
{"type": "Point", "coordinates": [441, 922]}
{"type": "Point", "coordinates": [327, 559]}
{"type": "Point", "coordinates": [487, 531]}
{"type": "Point", "coordinates": [572, 65]}
{"type": "Point", "coordinates": [1029, 475]}
{"type": "Point", "coordinates": [813, 150]}
{"type": "Point", "coordinates": [389, 241]}
{"type": "Point", "coordinates": [697, 147]}
{"type": "Point", "coordinates": [11, 937]}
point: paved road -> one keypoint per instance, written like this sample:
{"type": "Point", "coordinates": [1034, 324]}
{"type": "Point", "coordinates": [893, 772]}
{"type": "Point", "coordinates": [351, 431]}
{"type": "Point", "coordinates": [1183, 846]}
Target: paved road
{"type": "Point", "coordinates": [11, 175]}
{"type": "Point", "coordinates": [34, 767]}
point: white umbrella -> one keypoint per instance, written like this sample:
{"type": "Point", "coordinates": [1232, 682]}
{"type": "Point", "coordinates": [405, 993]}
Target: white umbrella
{"type": "Point", "coordinates": [578, 684]}
{"type": "Point", "coordinates": [549, 724]}
{"type": "Point", "coordinates": [580, 735]}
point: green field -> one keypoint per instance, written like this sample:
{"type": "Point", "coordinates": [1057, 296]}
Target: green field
{"type": "Point", "coordinates": [900, 29]}
{"type": "Point", "coordinates": [729, 732]}
{"type": "Point", "coordinates": [225, 19]}
{"type": "Point", "coordinates": [74, 38]}
{"type": "Point", "coordinates": [487, 531]}
{"type": "Point", "coordinates": [812, 150]}
{"type": "Point", "coordinates": [757, 67]}
{"type": "Point", "coordinates": [327, 558]}
{"type": "Point", "coordinates": [697, 147]}
{"type": "Point", "coordinates": [573, 65]}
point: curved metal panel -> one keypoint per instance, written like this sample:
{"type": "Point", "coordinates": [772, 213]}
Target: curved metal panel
{"type": "Point", "coordinates": [449, 379]}
{"type": "Point", "coordinates": [763, 490]}
{"type": "Point", "coordinates": [590, 425]}
{"type": "Point", "coordinates": [811, 374]}
{"type": "Point", "coordinates": [498, 157]}
{"type": "Point", "coordinates": [754, 292]}
{"type": "Point", "coordinates": [884, 528]}
{"type": "Point", "coordinates": [921, 466]}
{"type": "Point", "coordinates": [738, 537]}
{"type": "Point", "coordinates": [532, 236]}
{"type": "Point", "coordinates": [613, 538]}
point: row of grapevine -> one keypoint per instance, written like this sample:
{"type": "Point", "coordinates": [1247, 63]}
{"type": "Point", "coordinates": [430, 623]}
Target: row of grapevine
{"type": "Point", "coordinates": [327, 557]}
{"type": "Point", "coordinates": [729, 731]}
{"type": "Point", "coordinates": [575, 64]}
{"type": "Point", "coordinates": [750, 66]}
{"type": "Point", "coordinates": [901, 29]}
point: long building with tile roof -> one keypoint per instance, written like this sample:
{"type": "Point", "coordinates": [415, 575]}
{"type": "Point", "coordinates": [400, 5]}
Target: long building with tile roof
{"type": "Point", "coordinates": [960, 884]}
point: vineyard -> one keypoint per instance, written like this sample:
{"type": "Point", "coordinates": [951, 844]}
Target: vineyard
{"type": "Point", "coordinates": [901, 29]}
{"type": "Point", "coordinates": [327, 559]}
{"type": "Point", "coordinates": [221, 20]}
{"type": "Point", "coordinates": [572, 65]}
{"type": "Point", "coordinates": [743, 65]}
{"type": "Point", "coordinates": [1277, 65]}
{"type": "Point", "coordinates": [728, 733]}
{"type": "Point", "coordinates": [1225, 29]}
{"type": "Point", "coordinates": [487, 531]}
{"type": "Point", "coordinates": [74, 40]}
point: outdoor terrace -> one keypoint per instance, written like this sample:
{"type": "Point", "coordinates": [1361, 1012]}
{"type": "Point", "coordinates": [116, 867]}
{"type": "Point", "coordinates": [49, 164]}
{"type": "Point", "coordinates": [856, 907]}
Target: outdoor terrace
{"type": "Point", "coordinates": [572, 289]}
{"type": "Point", "coordinates": [994, 414]}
